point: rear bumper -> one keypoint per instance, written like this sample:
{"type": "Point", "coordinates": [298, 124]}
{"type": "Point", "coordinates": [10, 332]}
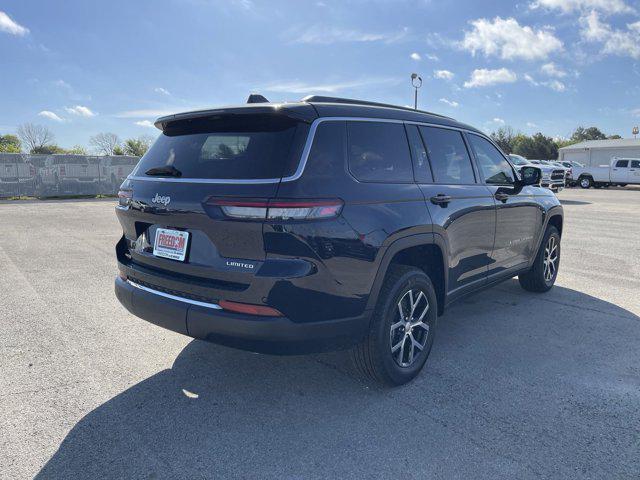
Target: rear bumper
{"type": "Point", "coordinates": [275, 335]}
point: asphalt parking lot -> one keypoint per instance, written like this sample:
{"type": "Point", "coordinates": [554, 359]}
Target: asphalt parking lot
{"type": "Point", "coordinates": [518, 385]}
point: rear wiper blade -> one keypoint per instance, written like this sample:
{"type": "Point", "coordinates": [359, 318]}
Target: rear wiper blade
{"type": "Point", "coordinates": [166, 171]}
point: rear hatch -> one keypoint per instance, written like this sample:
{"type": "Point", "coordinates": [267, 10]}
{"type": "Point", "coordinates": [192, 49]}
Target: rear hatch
{"type": "Point", "coordinates": [195, 166]}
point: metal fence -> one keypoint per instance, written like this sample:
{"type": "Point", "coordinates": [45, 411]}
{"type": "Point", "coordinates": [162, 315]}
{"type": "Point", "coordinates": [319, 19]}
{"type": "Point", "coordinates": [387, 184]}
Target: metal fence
{"type": "Point", "coordinates": [53, 175]}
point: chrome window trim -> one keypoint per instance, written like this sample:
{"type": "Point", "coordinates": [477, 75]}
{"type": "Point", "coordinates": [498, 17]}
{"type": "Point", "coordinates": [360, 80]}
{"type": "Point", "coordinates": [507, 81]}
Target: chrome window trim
{"type": "Point", "coordinates": [215, 306]}
{"type": "Point", "coordinates": [306, 151]}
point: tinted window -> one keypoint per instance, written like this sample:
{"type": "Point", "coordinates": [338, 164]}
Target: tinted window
{"type": "Point", "coordinates": [419, 153]}
{"type": "Point", "coordinates": [379, 152]}
{"type": "Point", "coordinates": [622, 163]}
{"type": "Point", "coordinates": [327, 153]}
{"type": "Point", "coordinates": [232, 147]}
{"type": "Point", "coordinates": [494, 167]}
{"type": "Point", "coordinates": [448, 156]}
{"type": "Point", "coordinates": [635, 163]}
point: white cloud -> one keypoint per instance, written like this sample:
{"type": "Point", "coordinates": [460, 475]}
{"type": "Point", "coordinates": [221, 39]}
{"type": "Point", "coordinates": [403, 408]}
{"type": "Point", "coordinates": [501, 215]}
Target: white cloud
{"type": "Point", "coordinates": [145, 123]}
{"type": "Point", "coordinates": [507, 39]}
{"type": "Point", "coordinates": [80, 111]}
{"type": "Point", "coordinates": [451, 103]}
{"type": "Point", "coordinates": [551, 69]}
{"type": "Point", "coordinates": [443, 74]}
{"type": "Point", "coordinates": [50, 115]}
{"type": "Point", "coordinates": [499, 121]}
{"type": "Point", "coordinates": [531, 125]}
{"type": "Point", "coordinates": [304, 87]}
{"type": "Point", "coordinates": [483, 77]}
{"type": "Point", "coordinates": [150, 113]}
{"type": "Point", "coordinates": [556, 85]}
{"type": "Point", "coordinates": [568, 6]}
{"type": "Point", "coordinates": [432, 57]}
{"type": "Point", "coordinates": [8, 25]}
{"type": "Point", "coordinates": [614, 41]}
{"type": "Point", "coordinates": [161, 90]}
{"type": "Point", "coordinates": [415, 56]}
{"type": "Point", "coordinates": [323, 35]}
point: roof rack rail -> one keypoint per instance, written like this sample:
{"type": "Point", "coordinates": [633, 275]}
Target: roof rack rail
{"type": "Point", "coordinates": [351, 101]}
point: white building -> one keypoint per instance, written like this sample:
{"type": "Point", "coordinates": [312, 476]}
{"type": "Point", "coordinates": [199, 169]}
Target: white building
{"type": "Point", "coordinates": [600, 152]}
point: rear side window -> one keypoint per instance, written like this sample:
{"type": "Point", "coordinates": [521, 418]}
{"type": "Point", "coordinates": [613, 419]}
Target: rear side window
{"type": "Point", "coordinates": [622, 163]}
{"type": "Point", "coordinates": [494, 167]}
{"type": "Point", "coordinates": [448, 155]}
{"type": "Point", "coordinates": [379, 152]}
{"type": "Point", "coordinates": [229, 147]}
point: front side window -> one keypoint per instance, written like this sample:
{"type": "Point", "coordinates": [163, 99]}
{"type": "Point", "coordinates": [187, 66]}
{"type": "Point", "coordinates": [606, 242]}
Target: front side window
{"type": "Point", "coordinates": [379, 152]}
{"type": "Point", "coordinates": [450, 161]}
{"type": "Point", "coordinates": [635, 163]}
{"type": "Point", "coordinates": [494, 167]}
{"type": "Point", "coordinates": [622, 163]}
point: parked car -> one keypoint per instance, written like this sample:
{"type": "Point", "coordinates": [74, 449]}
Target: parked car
{"type": "Point", "coordinates": [324, 224]}
{"type": "Point", "coordinates": [553, 178]}
{"type": "Point", "coordinates": [621, 171]}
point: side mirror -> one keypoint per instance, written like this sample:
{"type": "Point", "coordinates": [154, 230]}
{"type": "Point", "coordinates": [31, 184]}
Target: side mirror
{"type": "Point", "coordinates": [530, 175]}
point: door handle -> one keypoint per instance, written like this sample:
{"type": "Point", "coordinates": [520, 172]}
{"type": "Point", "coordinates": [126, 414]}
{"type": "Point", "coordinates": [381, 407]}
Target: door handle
{"type": "Point", "coordinates": [440, 199]}
{"type": "Point", "coordinates": [503, 197]}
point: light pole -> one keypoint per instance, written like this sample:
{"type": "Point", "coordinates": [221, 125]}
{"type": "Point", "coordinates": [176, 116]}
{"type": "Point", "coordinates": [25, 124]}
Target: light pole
{"type": "Point", "coordinates": [416, 81]}
{"type": "Point", "coordinates": [634, 132]}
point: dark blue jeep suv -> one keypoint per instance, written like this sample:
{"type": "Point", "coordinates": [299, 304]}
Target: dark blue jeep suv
{"type": "Point", "coordinates": [326, 224]}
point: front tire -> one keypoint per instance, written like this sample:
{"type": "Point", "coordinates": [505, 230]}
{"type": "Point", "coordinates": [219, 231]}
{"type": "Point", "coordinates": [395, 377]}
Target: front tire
{"type": "Point", "coordinates": [542, 275]}
{"type": "Point", "coordinates": [402, 328]}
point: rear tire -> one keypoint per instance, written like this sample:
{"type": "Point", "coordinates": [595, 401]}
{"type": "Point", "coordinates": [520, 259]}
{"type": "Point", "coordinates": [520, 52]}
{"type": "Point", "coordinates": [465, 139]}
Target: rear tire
{"type": "Point", "coordinates": [402, 328]}
{"type": "Point", "coordinates": [542, 275]}
{"type": "Point", "coordinates": [585, 182]}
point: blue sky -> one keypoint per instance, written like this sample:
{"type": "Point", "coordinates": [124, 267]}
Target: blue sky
{"type": "Point", "coordinates": [83, 67]}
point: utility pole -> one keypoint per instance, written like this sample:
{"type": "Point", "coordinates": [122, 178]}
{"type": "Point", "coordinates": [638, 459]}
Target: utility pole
{"type": "Point", "coordinates": [416, 81]}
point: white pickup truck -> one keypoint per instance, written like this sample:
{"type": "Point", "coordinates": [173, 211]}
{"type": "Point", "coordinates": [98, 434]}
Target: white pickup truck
{"type": "Point", "coordinates": [621, 171]}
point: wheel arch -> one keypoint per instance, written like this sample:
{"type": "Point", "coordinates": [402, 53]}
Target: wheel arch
{"type": "Point", "coordinates": [424, 251]}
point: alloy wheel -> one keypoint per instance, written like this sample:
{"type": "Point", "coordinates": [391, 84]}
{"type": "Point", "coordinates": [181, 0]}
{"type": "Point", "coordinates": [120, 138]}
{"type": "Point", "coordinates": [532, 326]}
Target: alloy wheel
{"type": "Point", "coordinates": [409, 332]}
{"type": "Point", "coordinates": [550, 258]}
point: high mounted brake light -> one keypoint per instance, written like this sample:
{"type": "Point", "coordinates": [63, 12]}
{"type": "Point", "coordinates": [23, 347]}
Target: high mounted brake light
{"type": "Point", "coordinates": [279, 209]}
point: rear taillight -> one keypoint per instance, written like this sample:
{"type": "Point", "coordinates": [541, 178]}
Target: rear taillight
{"type": "Point", "coordinates": [278, 209]}
{"type": "Point", "coordinates": [249, 309]}
{"type": "Point", "coordinates": [124, 197]}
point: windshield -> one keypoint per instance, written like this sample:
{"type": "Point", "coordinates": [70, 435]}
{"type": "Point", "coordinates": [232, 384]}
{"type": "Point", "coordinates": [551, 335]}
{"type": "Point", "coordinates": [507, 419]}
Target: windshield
{"type": "Point", "coordinates": [518, 160]}
{"type": "Point", "coordinates": [226, 147]}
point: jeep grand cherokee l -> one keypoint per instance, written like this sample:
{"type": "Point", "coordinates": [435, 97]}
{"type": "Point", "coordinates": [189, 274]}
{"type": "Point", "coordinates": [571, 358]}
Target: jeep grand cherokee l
{"type": "Point", "coordinates": [326, 224]}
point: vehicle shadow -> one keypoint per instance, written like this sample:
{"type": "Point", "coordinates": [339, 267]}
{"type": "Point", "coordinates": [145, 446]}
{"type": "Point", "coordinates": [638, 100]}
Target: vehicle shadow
{"type": "Point", "coordinates": [508, 392]}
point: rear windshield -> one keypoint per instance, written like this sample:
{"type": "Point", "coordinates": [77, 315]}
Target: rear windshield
{"type": "Point", "coordinates": [229, 147]}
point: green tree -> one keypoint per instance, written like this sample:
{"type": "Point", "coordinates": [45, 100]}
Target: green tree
{"type": "Point", "coordinates": [582, 134]}
{"type": "Point", "coordinates": [538, 147]}
{"type": "Point", "coordinates": [614, 137]}
{"type": "Point", "coordinates": [117, 150]}
{"type": "Point", "coordinates": [77, 150]}
{"type": "Point", "coordinates": [137, 147]}
{"type": "Point", "coordinates": [48, 149]}
{"type": "Point", "coordinates": [10, 144]}
{"type": "Point", "coordinates": [505, 138]}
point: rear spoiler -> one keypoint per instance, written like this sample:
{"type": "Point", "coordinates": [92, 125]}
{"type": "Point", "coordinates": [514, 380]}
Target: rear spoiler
{"type": "Point", "coordinates": [298, 111]}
